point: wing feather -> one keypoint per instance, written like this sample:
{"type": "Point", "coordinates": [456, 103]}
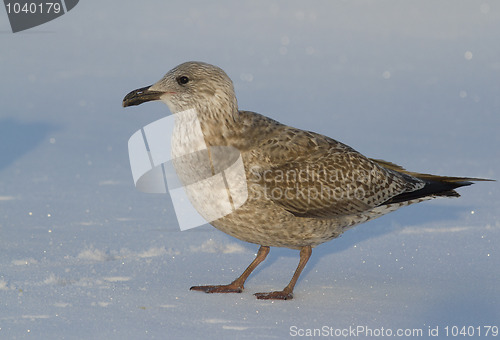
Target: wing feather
{"type": "Point", "coordinates": [311, 175]}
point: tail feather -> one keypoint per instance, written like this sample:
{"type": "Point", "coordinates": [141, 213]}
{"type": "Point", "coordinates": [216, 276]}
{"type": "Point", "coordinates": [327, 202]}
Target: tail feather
{"type": "Point", "coordinates": [435, 186]}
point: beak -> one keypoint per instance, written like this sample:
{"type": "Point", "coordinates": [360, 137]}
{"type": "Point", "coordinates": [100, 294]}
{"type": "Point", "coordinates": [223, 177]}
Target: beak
{"type": "Point", "coordinates": [140, 96]}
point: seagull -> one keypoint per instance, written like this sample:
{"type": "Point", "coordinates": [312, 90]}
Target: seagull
{"type": "Point", "coordinates": [304, 188]}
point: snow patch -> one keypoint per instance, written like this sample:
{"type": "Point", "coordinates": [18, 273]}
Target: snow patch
{"type": "Point", "coordinates": [89, 282]}
{"type": "Point", "coordinates": [124, 219]}
{"type": "Point", "coordinates": [155, 251]}
{"type": "Point", "coordinates": [4, 285]}
{"type": "Point", "coordinates": [109, 182]}
{"type": "Point", "coordinates": [88, 224]}
{"type": "Point", "coordinates": [117, 279]}
{"type": "Point", "coordinates": [24, 262]}
{"type": "Point", "coordinates": [211, 321]}
{"type": "Point", "coordinates": [52, 279]}
{"type": "Point", "coordinates": [100, 304]}
{"type": "Point", "coordinates": [62, 304]}
{"type": "Point", "coordinates": [35, 317]}
{"type": "Point", "coordinates": [7, 198]}
{"type": "Point", "coordinates": [423, 230]}
{"type": "Point", "coordinates": [211, 246]}
{"type": "Point", "coordinates": [235, 328]}
{"type": "Point", "coordinates": [151, 252]}
{"type": "Point", "coordinates": [92, 254]}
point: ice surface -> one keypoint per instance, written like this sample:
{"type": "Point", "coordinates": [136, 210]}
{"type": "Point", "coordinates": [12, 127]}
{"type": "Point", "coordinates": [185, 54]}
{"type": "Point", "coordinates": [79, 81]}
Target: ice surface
{"type": "Point", "coordinates": [83, 255]}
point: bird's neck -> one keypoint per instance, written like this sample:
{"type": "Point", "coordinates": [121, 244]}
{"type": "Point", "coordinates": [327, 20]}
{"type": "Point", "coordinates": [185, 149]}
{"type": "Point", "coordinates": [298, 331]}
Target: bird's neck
{"type": "Point", "coordinates": [218, 122]}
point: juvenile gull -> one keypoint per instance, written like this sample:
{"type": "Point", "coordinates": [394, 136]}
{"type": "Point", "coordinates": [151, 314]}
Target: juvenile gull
{"type": "Point", "coordinates": [303, 188]}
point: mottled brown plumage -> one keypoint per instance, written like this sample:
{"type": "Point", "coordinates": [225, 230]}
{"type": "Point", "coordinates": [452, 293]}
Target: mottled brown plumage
{"type": "Point", "coordinates": [303, 188]}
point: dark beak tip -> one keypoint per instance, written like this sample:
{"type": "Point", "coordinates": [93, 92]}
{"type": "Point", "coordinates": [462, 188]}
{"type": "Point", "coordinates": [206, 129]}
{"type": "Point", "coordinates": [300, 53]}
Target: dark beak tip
{"type": "Point", "coordinates": [139, 96]}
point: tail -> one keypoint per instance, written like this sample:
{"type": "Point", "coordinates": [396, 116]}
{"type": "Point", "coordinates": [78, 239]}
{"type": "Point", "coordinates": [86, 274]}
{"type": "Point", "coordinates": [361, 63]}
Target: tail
{"type": "Point", "coordinates": [435, 186]}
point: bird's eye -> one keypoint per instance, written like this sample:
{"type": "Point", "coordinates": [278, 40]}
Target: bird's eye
{"type": "Point", "coordinates": [182, 80]}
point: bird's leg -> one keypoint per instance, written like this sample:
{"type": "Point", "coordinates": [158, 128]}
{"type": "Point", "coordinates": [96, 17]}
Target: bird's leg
{"type": "Point", "coordinates": [237, 285]}
{"type": "Point", "coordinates": [287, 292]}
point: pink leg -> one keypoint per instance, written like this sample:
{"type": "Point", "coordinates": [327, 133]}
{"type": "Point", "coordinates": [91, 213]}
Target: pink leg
{"type": "Point", "coordinates": [287, 292]}
{"type": "Point", "coordinates": [237, 285]}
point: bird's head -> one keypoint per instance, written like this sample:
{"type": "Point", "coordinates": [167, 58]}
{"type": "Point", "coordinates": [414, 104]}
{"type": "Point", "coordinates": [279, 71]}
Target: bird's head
{"type": "Point", "coordinates": [191, 85]}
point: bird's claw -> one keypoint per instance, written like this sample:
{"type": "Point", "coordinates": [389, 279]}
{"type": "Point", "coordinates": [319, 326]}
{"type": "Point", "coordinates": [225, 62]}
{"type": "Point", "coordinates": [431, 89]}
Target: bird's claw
{"type": "Point", "coordinates": [218, 289]}
{"type": "Point", "coordinates": [278, 295]}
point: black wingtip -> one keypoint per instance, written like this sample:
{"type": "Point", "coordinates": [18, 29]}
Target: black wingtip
{"type": "Point", "coordinates": [431, 189]}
